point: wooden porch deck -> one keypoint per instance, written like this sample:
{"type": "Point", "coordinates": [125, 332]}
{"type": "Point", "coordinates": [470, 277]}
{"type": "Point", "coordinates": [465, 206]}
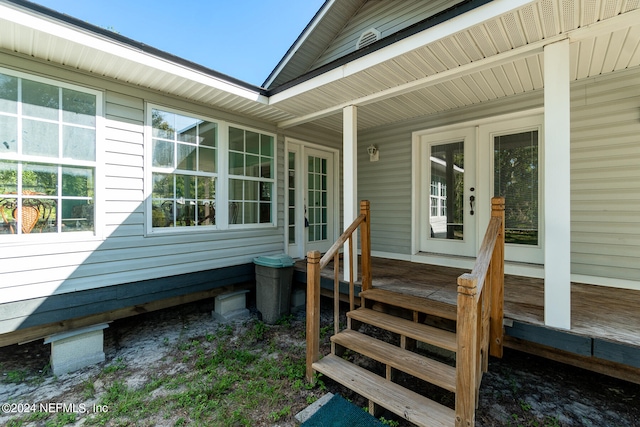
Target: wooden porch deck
{"type": "Point", "coordinates": [605, 322]}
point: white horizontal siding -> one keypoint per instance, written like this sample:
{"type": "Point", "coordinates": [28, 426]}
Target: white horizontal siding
{"type": "Point", "coordinates": [121, 253]}
{"type": "Point", "coordinates": [605, 176]}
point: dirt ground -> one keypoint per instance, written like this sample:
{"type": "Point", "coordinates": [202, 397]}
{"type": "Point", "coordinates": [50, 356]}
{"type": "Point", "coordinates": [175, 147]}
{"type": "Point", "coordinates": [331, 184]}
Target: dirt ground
{"type": "Point", "coordinates": [519, 390]}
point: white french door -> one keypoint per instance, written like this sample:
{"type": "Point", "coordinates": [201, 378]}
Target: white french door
{"type": "Point", "coordinates": [511, 166]}
{"type": "Point", "coordinates": [454, 206]}
{"type": "Point", "coordinates": [311, 216]}
{"type": "Point", "coordinates": [448, 195]}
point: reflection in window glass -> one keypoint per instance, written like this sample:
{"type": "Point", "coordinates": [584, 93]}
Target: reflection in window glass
{"type": "Point", "coordinates": [317, 198]}
{"type": "Point", "coordinates": [8, 134]}
{"type": "Point", "coordinates": [292, 197]}
{"type": "Point", "coordinates": [78, 108]}
{"type": "Point", "coordinates": [184, 151]}
{"type": "Point", "coordinates": [516, 179]}
{"type": "Point", "coordinates": [57, 123]}
{"type": "Point", "coordinates": [447, 191]}
{"type": "Point", "coordinates": [77, 182]}
{"type": "Point", "coordinates": [40, 100]}
{"type": "Point", "coordinates": [78, 143]}
{"type": "Point", "coordinates": [251, 164]}
{"type": "Point", "coordinates": [40, 138]}
{"type": "Point", "coordinates": [8, 94]}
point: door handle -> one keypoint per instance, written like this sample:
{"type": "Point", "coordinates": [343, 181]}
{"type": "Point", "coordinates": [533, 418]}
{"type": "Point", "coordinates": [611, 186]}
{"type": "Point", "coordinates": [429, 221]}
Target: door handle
{"type": "Point", "coordinates": [472, 199]}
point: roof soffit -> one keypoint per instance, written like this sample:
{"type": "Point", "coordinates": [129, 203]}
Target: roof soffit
{"type": "Point", "coordinates": [37, 32]}
{"type": "Point", "coordinates": [492, 58]}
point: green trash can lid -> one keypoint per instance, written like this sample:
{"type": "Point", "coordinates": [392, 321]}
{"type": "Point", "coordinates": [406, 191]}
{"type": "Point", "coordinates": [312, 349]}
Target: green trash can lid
{"type": "Point", "coordinates": [275, 261]}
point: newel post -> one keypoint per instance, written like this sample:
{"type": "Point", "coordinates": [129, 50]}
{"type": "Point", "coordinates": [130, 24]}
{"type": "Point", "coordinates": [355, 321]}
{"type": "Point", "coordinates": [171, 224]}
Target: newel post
{"type": "Point", "coordinates": [365, 244]}
{"type": "Point", "coordinates": [313, 311]}
{"type": "Point", "coordinates": [496, 333]}
{"type": "Point", "coordinates": [466, 355]}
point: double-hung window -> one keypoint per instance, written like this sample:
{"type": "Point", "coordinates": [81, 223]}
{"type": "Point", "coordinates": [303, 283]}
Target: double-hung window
{"type": "Point", "coordinates": [190, 182]}
{"type": "Point", "coordinates": [251, 165]}
{"type": "Point", "coordinates": [47, 156]}
{"type": "Point", "coordinates": [184, 170]}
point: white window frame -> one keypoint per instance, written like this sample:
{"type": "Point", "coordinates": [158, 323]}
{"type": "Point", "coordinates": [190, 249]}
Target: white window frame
{"type": "Point", "coordinates": [222, 176]}
{"type": "Point", "coordinates": [249, 178]}
{"type": "Point", "coordinates": [97, 165]}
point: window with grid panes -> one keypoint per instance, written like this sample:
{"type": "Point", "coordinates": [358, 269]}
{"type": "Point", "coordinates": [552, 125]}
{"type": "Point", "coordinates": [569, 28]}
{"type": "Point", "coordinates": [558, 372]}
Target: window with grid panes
{"type": "Point", "coordinates": [251, 177]}
{"type": "Point", "coordinates": [47, 155]}
{"type": "Point", "coordinates": [184, 170]}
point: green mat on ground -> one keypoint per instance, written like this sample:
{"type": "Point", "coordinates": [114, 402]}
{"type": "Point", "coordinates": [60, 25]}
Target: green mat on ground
{"type": "Point", "coordinates": [338, 412]}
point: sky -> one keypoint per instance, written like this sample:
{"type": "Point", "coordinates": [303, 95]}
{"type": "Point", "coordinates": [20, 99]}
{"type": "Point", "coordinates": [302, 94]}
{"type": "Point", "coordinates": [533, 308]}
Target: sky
{"type": "Point", "coordinates": [244, 39]}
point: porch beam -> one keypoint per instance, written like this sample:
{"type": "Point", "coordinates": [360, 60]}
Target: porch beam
{"type": "Point", "coordinates": [350, 180]}
{"type": "Point", "coordinates": [428, 81]}
{"type": "Point", "coordinates": [557, 176]}
{"type": "Point", "coordinates": [452, 26]}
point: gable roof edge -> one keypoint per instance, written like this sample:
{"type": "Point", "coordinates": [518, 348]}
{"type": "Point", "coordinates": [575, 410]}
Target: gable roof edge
{"type": "Point", "coordinates": [299, 41]}
{"type": "Point", "coordinates": [454, 11]}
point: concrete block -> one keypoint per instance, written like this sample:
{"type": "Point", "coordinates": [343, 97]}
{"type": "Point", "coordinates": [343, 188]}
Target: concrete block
{"type": "Point", "coordinates": [231, 305]}
{"type": "Point", "coordinates": [76, 349]}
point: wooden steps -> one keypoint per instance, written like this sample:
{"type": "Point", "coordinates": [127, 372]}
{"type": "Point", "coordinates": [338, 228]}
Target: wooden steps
{"type": "Point", "coordinates": [420, 305]}
{"type": "Point", "coordinates": [426, 369]}
{"type": "Point", "coordinates": [476, 315]}
{"type": "Point", "coordinates": [418, 331]}
{"type": "Point", "coordinates": [418, 409]}
{"type": "Point", "coordinates": [405, 403]}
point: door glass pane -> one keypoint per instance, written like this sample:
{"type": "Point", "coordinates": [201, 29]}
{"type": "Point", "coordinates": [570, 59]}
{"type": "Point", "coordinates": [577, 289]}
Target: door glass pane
{"type": "Point", "coordinates": [292, 197]}
{"type": "Point", "coordinates": [516, 179]}
{"type": "Point", "coordinates": [317, 198]}
{"type": "Point", "coordinates": [447, 191]}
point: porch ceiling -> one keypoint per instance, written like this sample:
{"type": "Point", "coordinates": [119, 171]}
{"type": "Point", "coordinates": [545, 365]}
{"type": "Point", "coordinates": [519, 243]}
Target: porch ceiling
{"type": "Point", "coordinates": [484, 61]}
{"type": "Point", "coordinates": [498, 58]}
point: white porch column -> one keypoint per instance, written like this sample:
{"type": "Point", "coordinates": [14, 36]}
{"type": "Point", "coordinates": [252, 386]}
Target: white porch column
{"type": "Point", "coordinates": [350, 180]}
{"type": "Point", "coordinates": [557, 195]}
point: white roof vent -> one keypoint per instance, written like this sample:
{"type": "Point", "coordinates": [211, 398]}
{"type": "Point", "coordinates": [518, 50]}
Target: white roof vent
{"type": "Point", "coordinates": [368, 37]}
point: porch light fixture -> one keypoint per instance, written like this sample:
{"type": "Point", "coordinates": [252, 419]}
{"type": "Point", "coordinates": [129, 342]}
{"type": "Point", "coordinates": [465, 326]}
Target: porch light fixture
{"type": "Point", "coordinates": [374, 154]}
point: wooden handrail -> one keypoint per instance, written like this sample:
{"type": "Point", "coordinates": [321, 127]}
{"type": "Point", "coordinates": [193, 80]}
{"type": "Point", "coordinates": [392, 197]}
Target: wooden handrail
{"type": "Point", "coordinates": [472, 283]}
{"type": "Point", "coordinates": [480, 312]}
{"type": "Point", "coordinates": [315, 263]}
{"type": "Point", "coordinates": [328, 256]}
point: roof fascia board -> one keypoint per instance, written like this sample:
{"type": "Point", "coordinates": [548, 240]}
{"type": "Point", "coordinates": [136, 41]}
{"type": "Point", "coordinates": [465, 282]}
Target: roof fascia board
{"type": "Point", "coordinates": [483, 64]}
{"type": "Point", "coordinates": [92, 40]}
{"type": "Point", "coordinates": [319, 16]}
{"type": "Point", "coordinates": [458, 23]}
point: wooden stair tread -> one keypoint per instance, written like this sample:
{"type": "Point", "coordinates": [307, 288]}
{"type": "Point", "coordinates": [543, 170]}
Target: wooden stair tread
{"type": "Point", "coordinates": [418, 331]}
{"type": "Point", "coordinates": [422, 305]}
{"type": "Point", "coordinates": [417, 409]}
{"type": "Point", "coordinates": [429, 370]}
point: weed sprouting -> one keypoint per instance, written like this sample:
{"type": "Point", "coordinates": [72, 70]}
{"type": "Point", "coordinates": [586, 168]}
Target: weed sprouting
{"type": "Point", "coordinates": [259, 329]}
{"type": "Point", "coordinates": [225, 377]}
{"type": "Point", "coordinates": [387, 422]}
{"type": "Point", "coordinates": [114, 367]}
{"type": "Point", "coordinates": [278, 415]}
{"type": "Point", "coordinates": [526, 407]}
{"type": "Point", "coordinates": [285, 320]}
{"type": "Point", "coordinates": [15, 376]}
